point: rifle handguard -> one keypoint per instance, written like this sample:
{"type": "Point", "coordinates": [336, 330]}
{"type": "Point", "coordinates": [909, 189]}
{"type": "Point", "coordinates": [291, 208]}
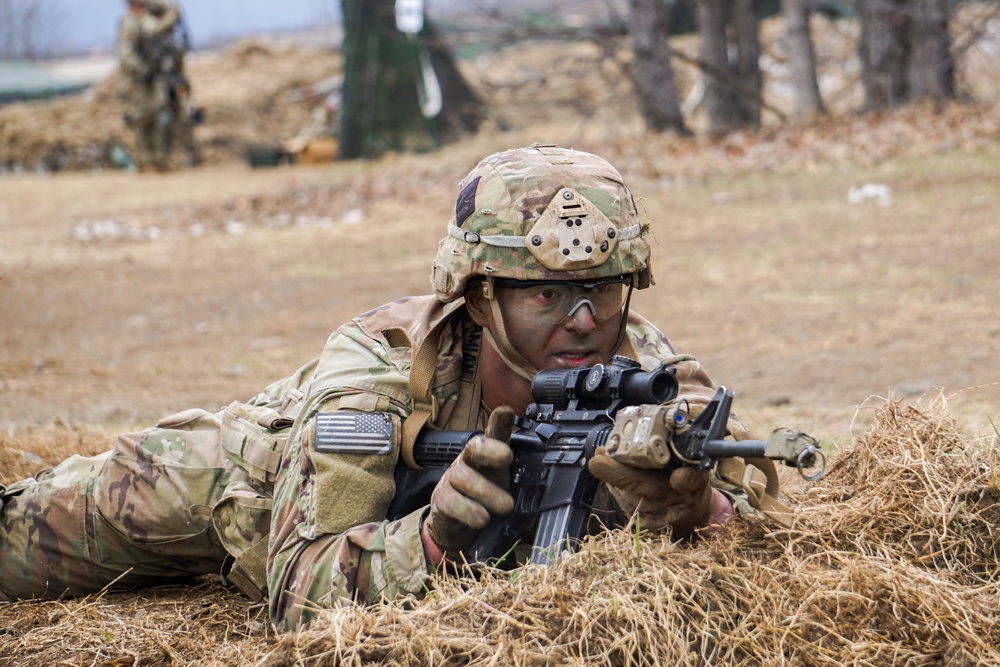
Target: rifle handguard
{"type": "Point", "coordinates": [640, 436]}
{"type": "Point", "coordinates": [649, 436]}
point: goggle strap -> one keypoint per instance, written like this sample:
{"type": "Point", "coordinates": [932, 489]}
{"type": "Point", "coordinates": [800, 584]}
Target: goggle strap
{"type": "Point", "coordinates": [629, 350]}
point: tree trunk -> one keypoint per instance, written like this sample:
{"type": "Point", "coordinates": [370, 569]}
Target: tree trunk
{"type": "Point", "coordinates": [808, 101]}
{"type": "Point", "coordinates": [732, 89]}
{"type": "Point", "coordinates": [462, 110]}
{"type": "Point", "coordinates": [905, 51]}
{"type": "Point", "coordinates": [653, 73]}
{"type": "Point", "coordinates": [932, 70]}
{"type": "Point", "coordinates": [723, 113]}
{"type": "Point", "coordinates": [747, 37]}
{"type": "Point", "coordinates": [401, 91]}
{"type": "Point", "coordinates": [884, 53]}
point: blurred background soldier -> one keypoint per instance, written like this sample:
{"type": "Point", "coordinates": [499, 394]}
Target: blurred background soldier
{"type": "Point", "coordinates": [152, 41]}
{"type": "Point", "coordinates": [174, 46]}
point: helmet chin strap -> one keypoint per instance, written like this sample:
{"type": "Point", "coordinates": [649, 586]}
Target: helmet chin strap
{"type": "Point", "coordinates": [517, 362]}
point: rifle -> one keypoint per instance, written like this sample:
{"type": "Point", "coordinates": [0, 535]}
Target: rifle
{"type": "Point", "coordinates": [618, 406]}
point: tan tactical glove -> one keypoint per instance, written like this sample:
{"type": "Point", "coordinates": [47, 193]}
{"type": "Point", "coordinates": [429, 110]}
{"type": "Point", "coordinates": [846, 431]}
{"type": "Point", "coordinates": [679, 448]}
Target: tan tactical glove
{"type": "Point", "coordinates": [681, 499]}
{"type": "Point", "coordinates": [472, 489]}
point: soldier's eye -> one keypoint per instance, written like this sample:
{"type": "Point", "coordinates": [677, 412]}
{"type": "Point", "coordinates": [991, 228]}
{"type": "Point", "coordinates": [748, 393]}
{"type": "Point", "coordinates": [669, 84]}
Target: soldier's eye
{"type": "Point", "coordinates": [544, 294]}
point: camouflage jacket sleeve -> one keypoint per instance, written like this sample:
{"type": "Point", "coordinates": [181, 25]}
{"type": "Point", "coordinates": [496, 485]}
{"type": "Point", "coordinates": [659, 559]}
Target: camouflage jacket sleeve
{"type": "Point", "coordinates": [654, 348]}
{"type": "Point", "coordinates": [330, 541]}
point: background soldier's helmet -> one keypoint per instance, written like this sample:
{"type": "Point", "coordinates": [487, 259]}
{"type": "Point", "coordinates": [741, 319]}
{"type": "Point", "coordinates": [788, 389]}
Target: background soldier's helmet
{"type": "Point", "coordinates": [155, 7]}
{"type": "Point", "coordinates": [541, 213]}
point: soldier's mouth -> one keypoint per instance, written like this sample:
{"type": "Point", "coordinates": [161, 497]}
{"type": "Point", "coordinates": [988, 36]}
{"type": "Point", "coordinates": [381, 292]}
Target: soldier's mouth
{"type": "Point", "coordinates": [574, 359]}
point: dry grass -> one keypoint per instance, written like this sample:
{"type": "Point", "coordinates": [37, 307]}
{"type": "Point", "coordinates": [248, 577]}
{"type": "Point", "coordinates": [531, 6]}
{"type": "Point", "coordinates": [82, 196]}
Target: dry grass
{"type": "Point", "coordinates": [24, 451]}
{"type": "Point", "coordinates": [192, 625]}
{"type": "Point", "coordinates": [895, 559]}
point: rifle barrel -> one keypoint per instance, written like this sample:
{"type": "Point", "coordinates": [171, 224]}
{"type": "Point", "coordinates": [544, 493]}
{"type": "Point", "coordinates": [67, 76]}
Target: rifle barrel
{"type": "Point", "coordinates": [726, 448]}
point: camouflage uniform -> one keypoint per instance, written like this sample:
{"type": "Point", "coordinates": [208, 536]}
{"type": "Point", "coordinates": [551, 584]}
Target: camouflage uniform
{"type": "Point", "coordinates": [156, 508]}
{"type": "Point", "coordinates": [180, 127]}
{"type": "Point", "coordinates": [153, 84]}
{"type": "Point", "coordinates": [272, 483]}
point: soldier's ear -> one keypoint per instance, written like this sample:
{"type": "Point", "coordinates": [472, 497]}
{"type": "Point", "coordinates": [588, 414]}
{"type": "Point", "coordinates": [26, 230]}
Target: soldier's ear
{"type": "Point", "coordinates": [475, 304]}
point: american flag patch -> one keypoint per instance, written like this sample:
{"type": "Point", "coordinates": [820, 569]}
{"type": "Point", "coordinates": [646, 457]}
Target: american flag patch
{"type": "Point", "coordinates": [353, 433]}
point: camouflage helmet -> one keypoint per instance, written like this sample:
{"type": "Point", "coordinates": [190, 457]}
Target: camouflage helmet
{"type": "Point", "coordinates": [156, 7]}
{"type": "Point", "coordinates": [541, 213]}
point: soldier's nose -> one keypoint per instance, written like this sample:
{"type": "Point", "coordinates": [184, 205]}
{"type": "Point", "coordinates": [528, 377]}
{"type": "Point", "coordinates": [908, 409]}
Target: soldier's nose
{"type": "Point", "coordinates": [581, 317]}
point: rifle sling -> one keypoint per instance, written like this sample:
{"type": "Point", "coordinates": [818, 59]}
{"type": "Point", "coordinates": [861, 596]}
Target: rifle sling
{"type": "Point", "coordinates": [470, 393]}
{"type": "Point", "coordinates": [759, 480]}
{"type": "Point", "coordinates": [421, 376]}
{"type": "Point", "coordinates": [425, 408]}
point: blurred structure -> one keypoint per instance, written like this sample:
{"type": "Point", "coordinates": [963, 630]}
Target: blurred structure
{"type": "Point", "coordinates": [317, 140]}
{"type": "Point", "coordinates": [402, 90]}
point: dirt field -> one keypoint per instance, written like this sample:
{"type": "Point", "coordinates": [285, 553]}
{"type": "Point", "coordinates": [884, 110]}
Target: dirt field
{"type": "Point", "coordinates": [805, 304]}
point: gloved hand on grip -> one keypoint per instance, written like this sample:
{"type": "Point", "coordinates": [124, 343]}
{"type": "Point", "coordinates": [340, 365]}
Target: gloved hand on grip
{"type": "Point", "coordinates": [472, 490]}
{"type": "Point", "coordinates": [681, 499]}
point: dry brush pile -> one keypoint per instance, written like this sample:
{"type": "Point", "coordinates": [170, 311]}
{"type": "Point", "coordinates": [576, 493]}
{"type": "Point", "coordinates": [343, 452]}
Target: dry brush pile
{"type": "Point", "coordinates": [253, 92]}
{"type": "Point", "coordinates": [895, 559]}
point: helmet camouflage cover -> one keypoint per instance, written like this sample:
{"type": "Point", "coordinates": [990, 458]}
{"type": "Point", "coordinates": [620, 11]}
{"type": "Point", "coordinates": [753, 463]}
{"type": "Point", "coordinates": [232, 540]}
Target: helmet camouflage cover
{"type": "Point", "coordinates": [541, 213]}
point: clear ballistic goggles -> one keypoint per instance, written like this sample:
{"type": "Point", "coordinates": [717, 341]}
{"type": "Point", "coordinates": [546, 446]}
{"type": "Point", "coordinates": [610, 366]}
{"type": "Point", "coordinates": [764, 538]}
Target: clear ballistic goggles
{"type": "Point", "coordinates": [552, 302]}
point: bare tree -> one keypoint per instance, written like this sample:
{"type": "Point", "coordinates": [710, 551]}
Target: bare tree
{"type": "Point", "coordinates": [730, 52]}
{"type": "Point", "coordinates": [883, 48]}
{"type": "Point", "coordinates": [746, 25]}
{"type": "Point", "coordinates": [720, 99]}
{"type": "Point", "coordinates": [802, 56]}
{"type": "Point", "coordinates": [653, 74]}
{"type": "Point", "coordinates": [932, 69]}
{"type": "Point", "coordinates": [905, 51]}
